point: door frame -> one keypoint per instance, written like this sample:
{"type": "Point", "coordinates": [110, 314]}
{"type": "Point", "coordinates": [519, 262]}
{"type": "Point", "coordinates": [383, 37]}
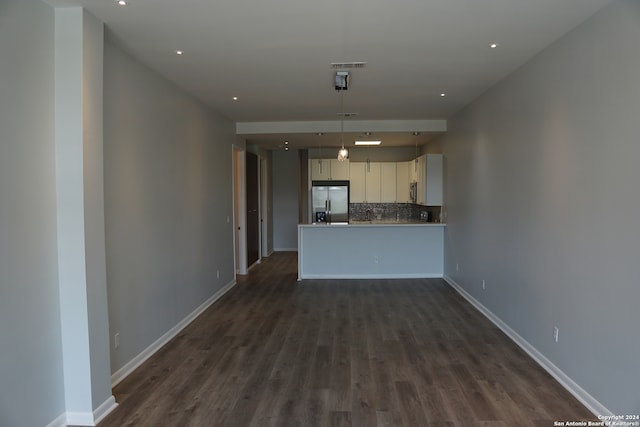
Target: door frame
{"type": "Point", "coordinates": [258, 228]}
{"type": "Point", "coordinates": [239, 210]}
{"type": "Point", "coordinates": [264, 206]}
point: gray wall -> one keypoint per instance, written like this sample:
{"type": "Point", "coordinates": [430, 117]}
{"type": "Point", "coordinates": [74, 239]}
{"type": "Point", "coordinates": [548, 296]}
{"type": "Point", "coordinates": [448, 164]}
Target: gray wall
{"type": "Point", "coordinates": [285, 200]}
{"type": "Point", "coordinates": [543, 201]}
{"type": "Point", "coordinates": [32, 390]}
{"type": "Point", "coordinates": [168, 194]}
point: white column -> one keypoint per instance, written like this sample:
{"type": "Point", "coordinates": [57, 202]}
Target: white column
{"type": "Point", "coordinates": [80, 215]}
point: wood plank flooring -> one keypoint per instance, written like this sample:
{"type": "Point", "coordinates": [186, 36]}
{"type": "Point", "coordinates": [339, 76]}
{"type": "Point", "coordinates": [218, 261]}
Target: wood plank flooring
{"type": "Point", "coordinates": [277, 352]}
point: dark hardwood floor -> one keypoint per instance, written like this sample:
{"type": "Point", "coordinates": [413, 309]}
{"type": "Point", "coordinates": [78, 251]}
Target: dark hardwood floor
{"type": "Point", "coordinates": [275, 352]}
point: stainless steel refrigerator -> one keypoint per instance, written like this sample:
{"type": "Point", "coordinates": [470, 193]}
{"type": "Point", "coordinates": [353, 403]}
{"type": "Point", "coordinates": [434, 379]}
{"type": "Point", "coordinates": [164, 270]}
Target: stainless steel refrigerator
{"type": "Point", "coordinates": [330, 201]}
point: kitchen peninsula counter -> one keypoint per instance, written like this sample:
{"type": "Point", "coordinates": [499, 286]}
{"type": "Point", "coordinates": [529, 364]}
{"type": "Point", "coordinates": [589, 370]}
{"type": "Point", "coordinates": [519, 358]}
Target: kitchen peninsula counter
{"type": "Point", "coordinates": [371, 249]}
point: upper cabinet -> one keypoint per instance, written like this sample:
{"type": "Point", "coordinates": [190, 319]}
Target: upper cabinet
{"type": "Point", "coordinates": [430, 180]}
{"type": "Point", "coordinates": [402, 182]}
{"type": "Point", "coordinates": [339, 170]}
{"type": "Point", "coordinates": [357, 185]}
{"type": "Point", "coordinates": [320, 169]}
{"type": "Point", "coordinates": [413, 170]}
{"type": "Point", "coordinates": [388, 182]}
{"type": "Point", "coordinates": [385, 182]}
{"type": "Point", "coordinates": [372, 182]}
{"type": "Point", "coordinates": [328, 169]}
{"type": "Point", "coordinates": [419, 166]}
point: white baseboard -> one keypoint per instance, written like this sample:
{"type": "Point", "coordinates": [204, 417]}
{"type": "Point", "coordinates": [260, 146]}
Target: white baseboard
{"type": "Point", "coordinates": [373, 276]}
{"type": "Point", "coordinates": [285, 249]}
{"type": "Point", "coordinates": [105, 409]}
{"type": "Point", "coordinates": [85, 418]}
{"type": "Point", "coordinates": [134, 363]}
{"type": "Point", "coordinates": [571, 386]}
{"type": "Point", "coordinates": [60, 421]}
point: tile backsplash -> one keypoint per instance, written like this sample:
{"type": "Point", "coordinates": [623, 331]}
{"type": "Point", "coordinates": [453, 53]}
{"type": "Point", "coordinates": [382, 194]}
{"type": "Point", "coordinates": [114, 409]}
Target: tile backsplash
{"type": "Point", "coordinates": [392, 211]}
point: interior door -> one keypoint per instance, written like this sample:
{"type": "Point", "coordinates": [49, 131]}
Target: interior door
{"type": "Point", "coordinates": [253, 205]}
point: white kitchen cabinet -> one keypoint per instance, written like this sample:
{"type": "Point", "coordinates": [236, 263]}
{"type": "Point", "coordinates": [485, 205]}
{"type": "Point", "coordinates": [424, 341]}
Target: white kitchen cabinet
{"type": "Point", "coordinates": [339, 170]}
{"type": "Point", "coordinates": [372, 182]}
{"type": "Point", "coordinates": [430, 180]}
{"type": "Point", "coordinates": [385, 182]}
{"type": "Point", "coordinates": [413, 170]}
{"type": "Point", "coordinates": [388, 182]}
{"type": "Point", "coordinates": [328, 169]}
{"type": "Point", "coordinates": [320, 169]}
{"type": "Point", "coordinates": [421, 179]}
{"type": "Point", "coordinates": [402, 182]}
{"type": "Point", "coordinates": [357, 182]}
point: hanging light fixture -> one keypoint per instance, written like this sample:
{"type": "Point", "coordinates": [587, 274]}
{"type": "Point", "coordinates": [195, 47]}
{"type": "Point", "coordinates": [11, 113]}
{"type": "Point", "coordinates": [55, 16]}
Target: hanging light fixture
{"type": "Point", "coordinates": [342, 83]}
{"type": "Point", "coordinates": [343, 153]}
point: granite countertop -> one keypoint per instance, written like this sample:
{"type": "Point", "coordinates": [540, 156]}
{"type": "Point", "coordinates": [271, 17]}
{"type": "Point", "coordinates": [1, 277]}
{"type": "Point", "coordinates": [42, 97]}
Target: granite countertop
{"type": "Point", "coordinates": [377, 222]}
{"type": "Point", "coordinates": [390, 221]}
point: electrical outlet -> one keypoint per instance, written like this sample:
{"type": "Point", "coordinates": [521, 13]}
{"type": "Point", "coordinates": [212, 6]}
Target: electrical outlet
{"type": "Point", "coordinates": [556, 333]}
{"type": "Point", "coordinates": [116, 340]}
{"type": "Point", "coordinates": [376, 259]}
{"type": "Point", "coordinates": [483, 285]}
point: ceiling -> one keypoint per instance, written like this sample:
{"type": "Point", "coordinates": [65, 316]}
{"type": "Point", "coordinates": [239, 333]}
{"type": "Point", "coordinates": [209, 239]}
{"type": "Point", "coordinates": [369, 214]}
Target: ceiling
{"type": "Point", "coordinates": [275, 56]}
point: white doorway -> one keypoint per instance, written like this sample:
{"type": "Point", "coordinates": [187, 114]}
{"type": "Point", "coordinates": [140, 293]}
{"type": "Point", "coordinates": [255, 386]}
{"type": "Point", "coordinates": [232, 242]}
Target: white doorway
{"type": "Point", "coordinates": [264, 207]}
{"type": "Point", "coordinates": [239, 208]}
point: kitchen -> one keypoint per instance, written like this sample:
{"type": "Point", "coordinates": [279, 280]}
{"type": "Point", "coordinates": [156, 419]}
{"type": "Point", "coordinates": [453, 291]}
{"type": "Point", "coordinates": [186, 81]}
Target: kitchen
{"type": "Point", "coordinates": [373, 219]}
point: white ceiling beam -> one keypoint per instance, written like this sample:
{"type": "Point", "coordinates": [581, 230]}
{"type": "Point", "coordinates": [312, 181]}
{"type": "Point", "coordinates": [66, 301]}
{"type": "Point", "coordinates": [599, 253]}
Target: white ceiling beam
{"type": "Point", "coordinates": [249, 128]}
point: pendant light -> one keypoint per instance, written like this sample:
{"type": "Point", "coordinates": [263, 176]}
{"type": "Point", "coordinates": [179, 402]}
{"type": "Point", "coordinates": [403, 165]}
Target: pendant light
{"type": "Point", "coordinates": [343, 153]}
{"type": "Point", "coordinates": [342, 81]}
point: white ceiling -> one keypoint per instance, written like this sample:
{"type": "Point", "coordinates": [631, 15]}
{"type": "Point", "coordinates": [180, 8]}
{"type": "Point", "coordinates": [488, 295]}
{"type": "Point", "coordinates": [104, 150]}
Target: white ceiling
{"type": "Point", "coordinates": [275, 55]}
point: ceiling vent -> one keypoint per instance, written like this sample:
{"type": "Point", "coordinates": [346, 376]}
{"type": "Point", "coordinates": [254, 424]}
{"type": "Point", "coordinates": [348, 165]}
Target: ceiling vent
{"type": "Point", "coordinates": [347, 65]}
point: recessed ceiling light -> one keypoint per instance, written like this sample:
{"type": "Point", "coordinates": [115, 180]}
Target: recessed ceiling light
{"type": "Point", "coordinates": [179, 52]}
{"type": "Point", "coordinates": [121, 2]}
{"type": "Point", "coordinates": [286, 143]}
{"type": "Point", "coordinates": [286, 148]}
{"type": "Point", "coordinates": [494, 45]}
{"type": "Point", "coordinates": [368, 142]}
{"type": "Point", "coordinates": [235, 98]}
{"type": "Point", "coordinates": [443, 94]}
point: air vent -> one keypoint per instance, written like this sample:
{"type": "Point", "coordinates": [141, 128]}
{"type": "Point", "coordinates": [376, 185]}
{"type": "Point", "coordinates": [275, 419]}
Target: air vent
{"type": "Point", "coordinates": [347, 114]}
{"type": "Point", "coordinates": [346, 65]}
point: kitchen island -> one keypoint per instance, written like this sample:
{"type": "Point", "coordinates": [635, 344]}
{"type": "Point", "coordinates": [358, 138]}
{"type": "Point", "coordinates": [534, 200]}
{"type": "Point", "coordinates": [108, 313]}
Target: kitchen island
{"type": "Point", "coordinates": [368, 250]}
